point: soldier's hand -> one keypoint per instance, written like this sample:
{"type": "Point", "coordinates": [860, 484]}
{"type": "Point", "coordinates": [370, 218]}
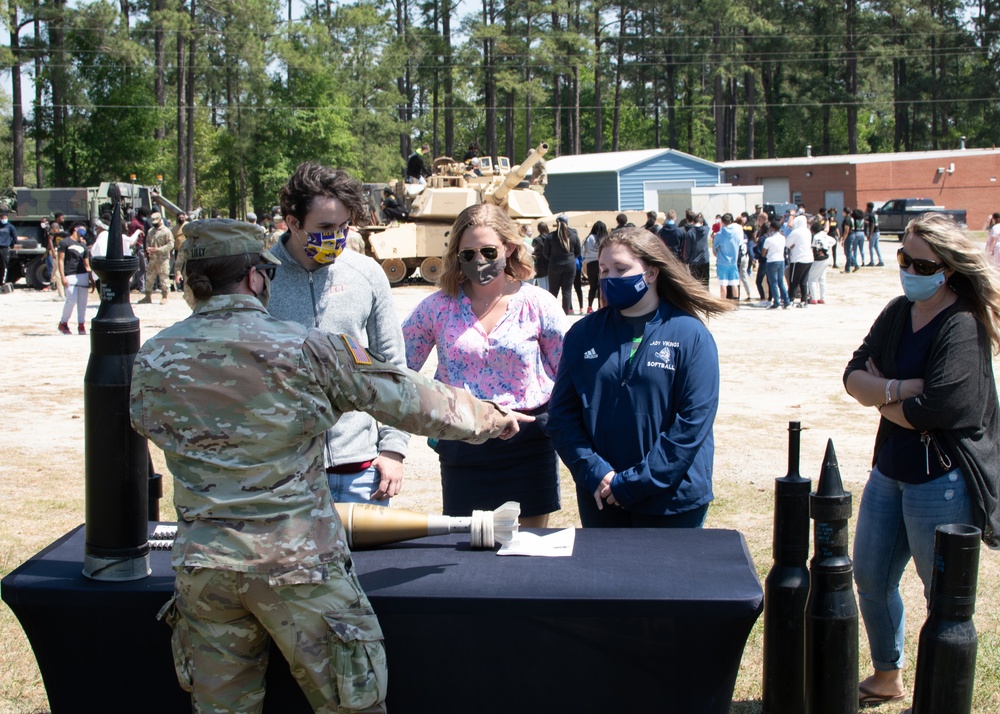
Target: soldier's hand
{"type": "Point", "coordinates": [511, 427]}
{"type": "Point", "coordinates": [389, 465]}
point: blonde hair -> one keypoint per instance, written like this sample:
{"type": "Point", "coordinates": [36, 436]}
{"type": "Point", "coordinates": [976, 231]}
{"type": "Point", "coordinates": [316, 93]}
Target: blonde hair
{"type": "Point", "coordinates": [674, 283]}
{"type": "Point", "coordinates": [974, 278]}
{"type": "Point", "coordinates": [485, 215]}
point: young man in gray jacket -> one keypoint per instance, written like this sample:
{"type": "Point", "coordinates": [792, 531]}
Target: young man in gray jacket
{"type": "Point", "coordinates": [319, 284]}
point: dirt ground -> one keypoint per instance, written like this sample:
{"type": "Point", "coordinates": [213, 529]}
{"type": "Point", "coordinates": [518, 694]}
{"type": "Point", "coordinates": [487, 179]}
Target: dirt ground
{"type": "Point", "coordinates": [776, 366]}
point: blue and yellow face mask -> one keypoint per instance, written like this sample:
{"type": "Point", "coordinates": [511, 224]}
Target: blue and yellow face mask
{"type": "Point", "coordinates": [325, 247]}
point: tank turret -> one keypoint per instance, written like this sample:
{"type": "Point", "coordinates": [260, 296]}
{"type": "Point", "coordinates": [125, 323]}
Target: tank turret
{"type": "Point", "coordinates": [421, 241]}
{"type": "Point", "coordinates": [499, 194]}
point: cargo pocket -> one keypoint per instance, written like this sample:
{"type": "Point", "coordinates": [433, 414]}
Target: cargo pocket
{"type": "Point", "coordinates": [180, 642]}
{"type": "Point", "coordinates": [357, 657]}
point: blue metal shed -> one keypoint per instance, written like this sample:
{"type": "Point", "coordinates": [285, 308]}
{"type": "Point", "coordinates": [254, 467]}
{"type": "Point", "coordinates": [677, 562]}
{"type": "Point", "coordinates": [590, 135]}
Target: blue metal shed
{"type": "Point", "coordinates": [622, 180]}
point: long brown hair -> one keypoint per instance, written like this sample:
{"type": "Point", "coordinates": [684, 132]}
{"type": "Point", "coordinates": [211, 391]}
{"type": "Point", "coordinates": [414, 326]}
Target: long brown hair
{"type": "Point", "coordinates": [974, 278]}
{"type": "Point", "coordinates": [674, 283]}
{"type": "Point", "coordinates": [485, 215]}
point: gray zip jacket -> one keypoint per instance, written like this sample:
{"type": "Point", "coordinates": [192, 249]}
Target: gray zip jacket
{"type": "Point", "coordinates": [351, 296]}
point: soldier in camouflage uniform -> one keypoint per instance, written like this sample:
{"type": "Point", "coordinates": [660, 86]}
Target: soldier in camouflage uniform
{"type": "Point", "coordinates": [239, 403]}
{"type": "Point", "coordinates": [159, 244]}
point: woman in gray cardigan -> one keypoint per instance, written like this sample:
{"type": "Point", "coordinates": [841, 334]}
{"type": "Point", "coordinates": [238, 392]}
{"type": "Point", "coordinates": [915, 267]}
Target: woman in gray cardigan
{"type": "Point", "coordinates": [926, 365]}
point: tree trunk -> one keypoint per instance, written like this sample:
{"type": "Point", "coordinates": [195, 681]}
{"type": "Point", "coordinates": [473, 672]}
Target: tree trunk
{"type": "Point", "coordinates": [598, 79]}
{"type": "Point", "coordinates": [182, 197]}
{"type": "Point", "coordinates": [719, 113]}
{"type": "Point", "coordinates": [159, 54]}
{"type": "Point", "coordinates": [751, 89]}
{"type": "Point", "coordinates": [449, 114]}
{"type": "Point", "coordinates": [671, 68]}
{"type": "Point", "coordinates": [59, 74]}
{"type": "Point", "coordinates": [851, 77]}
{"type": "Point", "coordinates": [191, 185]}
{"type": "Point", "coordinates": [39, 128]}
{"type": "Point", "coordinates": [404, 134]}
{"type": "Point", "coordinates": [17, 111]}
{"type": "Point", "coordinates": [620, 60]}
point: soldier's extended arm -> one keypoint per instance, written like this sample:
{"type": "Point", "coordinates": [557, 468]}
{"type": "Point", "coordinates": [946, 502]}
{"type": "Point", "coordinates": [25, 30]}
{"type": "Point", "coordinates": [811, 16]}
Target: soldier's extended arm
{"type": "Point", "coordinates": [358, 380]}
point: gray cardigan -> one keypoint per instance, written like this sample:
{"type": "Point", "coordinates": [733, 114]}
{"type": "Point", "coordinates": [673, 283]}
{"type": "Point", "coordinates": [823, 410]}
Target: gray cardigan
{"type": "Point", "coordinates": [350, 296]}
{"type": "Point", "coordinates": [959, 402]}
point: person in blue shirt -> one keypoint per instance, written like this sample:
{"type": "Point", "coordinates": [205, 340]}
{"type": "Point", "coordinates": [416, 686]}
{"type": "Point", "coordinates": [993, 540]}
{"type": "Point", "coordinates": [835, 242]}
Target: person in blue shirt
{"type": "Point", "coordinates": [637, 390]}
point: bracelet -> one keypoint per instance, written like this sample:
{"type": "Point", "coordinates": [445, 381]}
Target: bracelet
{"type": "Point", "coordinates": [888, 391]}
{"type": "Point", "coordinates": [899, 386]}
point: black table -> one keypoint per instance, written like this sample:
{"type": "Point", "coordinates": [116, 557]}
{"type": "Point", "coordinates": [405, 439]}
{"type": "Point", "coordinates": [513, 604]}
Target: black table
{"type": "Point", "coordinates": [635, 621]}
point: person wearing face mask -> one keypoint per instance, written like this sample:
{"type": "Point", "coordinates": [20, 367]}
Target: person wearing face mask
{"type": "Point", "coordinates": [260, 553]}
{"type": "Point", "coordinates": [926, 366]}
{"type": "Point", "coordinates": [637, 391]}
{"type": "Point", "coordinates": [74, 275]}
{"type": "Point", "coordinates": [325, 285]}
{"type": "Point", "coordinates": [501, 338]}
{"type": "Point", "coordinates": [158, 245]}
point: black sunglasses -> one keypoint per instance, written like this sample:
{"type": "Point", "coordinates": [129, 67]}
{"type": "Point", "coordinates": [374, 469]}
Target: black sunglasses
{"type": "Point", "coordinates": [469, 254]}
{"type": "Point", "coordinates": [920, 266]}
{"type": "Point", "coordinates": [266, 269]}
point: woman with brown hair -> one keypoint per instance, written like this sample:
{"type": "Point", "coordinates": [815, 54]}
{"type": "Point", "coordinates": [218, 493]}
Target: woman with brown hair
{"type": "Point", "coordinates": [637, 391]}
{"type": "Point", "coordinates": [926, 365]}
{"type": "Point", "coordinates": [500, 338]}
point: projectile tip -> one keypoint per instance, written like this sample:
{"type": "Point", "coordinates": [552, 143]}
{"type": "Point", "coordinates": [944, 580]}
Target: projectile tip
{"type": "Point", "coordinates": [830, 483]}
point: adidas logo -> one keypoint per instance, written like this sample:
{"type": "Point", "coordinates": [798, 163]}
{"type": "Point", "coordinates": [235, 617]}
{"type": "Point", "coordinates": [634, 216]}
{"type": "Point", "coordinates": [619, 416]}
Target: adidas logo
{"type": "Point", "coordinates": [590, 354]}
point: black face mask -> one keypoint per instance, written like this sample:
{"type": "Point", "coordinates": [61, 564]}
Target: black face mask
{"type": "Point", "coordinates": [484, 272]}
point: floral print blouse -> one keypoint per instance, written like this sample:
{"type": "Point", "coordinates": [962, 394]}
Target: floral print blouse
{"type": "Point", "coordinates": [515, 365]}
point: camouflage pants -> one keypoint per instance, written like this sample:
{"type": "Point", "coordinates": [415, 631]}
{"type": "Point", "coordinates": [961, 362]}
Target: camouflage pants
{"type": "Point", "coordinates": [158, 268]}
{"type": "Point", "coordinates": [320, 619]}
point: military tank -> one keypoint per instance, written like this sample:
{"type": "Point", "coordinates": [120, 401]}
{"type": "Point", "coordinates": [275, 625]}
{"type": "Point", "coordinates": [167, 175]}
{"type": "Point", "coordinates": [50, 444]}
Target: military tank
{"type": "Point", "coordinates": [420, 242]}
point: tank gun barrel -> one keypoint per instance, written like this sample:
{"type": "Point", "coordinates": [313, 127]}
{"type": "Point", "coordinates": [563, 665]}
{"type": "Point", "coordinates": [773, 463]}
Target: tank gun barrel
{"type": "Point", "coordinates": [518, 173]}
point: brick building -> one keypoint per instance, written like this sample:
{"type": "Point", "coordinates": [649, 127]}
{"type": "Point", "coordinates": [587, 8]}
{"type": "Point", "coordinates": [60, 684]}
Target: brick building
{"type": "Point", "coordinates": [961, 178]}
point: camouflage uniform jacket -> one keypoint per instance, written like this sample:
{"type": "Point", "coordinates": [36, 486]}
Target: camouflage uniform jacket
{"type": "Point", "coordinates": [239, 402]}
{"type": "Point", "coordinates": [159, 243]}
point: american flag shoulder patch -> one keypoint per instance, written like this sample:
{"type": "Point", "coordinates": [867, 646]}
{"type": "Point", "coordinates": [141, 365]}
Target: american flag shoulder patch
{"type": "Point", "coordinates": [357, 351]}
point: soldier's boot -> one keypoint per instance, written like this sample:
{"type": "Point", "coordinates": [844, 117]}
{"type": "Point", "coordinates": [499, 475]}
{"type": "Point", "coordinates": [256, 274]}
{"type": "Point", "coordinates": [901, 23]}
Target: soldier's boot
{"type": "Point", "coordinates": [165, 295]}
{"type": "Point", "coordinates": [64, 328]}
{"type": "Point", "coordinates": [148, 300]}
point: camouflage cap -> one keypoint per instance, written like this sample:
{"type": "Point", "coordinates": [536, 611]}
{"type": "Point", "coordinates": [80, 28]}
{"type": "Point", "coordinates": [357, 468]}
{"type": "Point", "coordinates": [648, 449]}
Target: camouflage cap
{"type": "Point", "coordinates": [222, 237]}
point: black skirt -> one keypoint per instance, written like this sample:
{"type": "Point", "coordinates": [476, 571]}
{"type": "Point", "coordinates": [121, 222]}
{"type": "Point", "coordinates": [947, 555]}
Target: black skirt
{"type": "Point", "coordinates": [482, 477]}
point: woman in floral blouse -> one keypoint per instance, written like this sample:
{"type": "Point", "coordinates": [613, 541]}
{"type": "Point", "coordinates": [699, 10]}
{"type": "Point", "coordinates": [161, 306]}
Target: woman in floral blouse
{"type": "Point", "coordinates": [501, 339]}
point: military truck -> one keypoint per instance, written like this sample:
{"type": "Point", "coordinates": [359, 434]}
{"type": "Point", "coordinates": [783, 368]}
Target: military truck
{"type": "Point", "coordinates": [34, 206]}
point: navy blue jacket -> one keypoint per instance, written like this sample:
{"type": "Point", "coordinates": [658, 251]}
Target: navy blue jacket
{"type": "Point", "coordinates": [650, 421]}
{"type": "Point", "coordinates": [673, 237]}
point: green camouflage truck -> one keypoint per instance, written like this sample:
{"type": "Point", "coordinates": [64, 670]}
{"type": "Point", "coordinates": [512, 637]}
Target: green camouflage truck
{"type": "Point", "coordinates": [31, 207]}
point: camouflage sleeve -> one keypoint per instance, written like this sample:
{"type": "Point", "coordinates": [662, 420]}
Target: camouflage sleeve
{"type": "Point", "coordinates": [358, 380]}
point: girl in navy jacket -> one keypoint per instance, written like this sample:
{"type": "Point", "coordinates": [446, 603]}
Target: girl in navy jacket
{"type": "Point", "coordinates": [637, 390]}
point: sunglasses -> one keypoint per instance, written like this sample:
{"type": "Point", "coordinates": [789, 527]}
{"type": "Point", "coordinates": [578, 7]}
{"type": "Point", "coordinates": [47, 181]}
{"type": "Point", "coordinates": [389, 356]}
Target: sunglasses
{"type": "Point", "coordinates": [469, 254]}
{"type": "Point", "coordinates": [920, 267]}
{"type": "Point", "coordinates": [266, 269]}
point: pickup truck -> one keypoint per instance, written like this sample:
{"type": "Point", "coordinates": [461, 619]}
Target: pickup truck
{"type": "Point", "coordinates": [896, 213]}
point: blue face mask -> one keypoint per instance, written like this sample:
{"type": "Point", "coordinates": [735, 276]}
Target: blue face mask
{"type": "Point", "coordinates": [622, 293]}
{"type": "Point", "coordinates": [921, 287]}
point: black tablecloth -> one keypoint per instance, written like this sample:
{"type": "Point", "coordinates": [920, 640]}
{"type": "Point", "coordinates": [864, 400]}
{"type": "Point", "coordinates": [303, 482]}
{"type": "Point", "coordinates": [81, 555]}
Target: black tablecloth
{"type": "Point", "coordinates": [635, 621]}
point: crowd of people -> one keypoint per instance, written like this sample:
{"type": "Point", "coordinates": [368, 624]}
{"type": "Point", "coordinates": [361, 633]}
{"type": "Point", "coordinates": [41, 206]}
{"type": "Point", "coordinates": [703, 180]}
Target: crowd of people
{"type": "Point", "coordinates": [313, 389]}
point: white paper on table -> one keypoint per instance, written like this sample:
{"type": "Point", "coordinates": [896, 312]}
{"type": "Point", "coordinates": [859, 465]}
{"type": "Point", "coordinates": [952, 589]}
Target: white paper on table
{"type": "Point", "coordinates": [553, 545]}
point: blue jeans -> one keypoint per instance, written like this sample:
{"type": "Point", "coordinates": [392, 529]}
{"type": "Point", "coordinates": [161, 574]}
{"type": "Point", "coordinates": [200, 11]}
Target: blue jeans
{"type": "Point", "coordinates": [873, 249]}
{"type": "Point", "coordinates": [357, 487]}
{"type": "Point", "coordinates": [896, 521]}
{"type": "Point", "coordinates": [850, 258]}
{"type": "Point", "coordinates": [776, 281]}
{"type": "Point", "coordinates": [859, 246]}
